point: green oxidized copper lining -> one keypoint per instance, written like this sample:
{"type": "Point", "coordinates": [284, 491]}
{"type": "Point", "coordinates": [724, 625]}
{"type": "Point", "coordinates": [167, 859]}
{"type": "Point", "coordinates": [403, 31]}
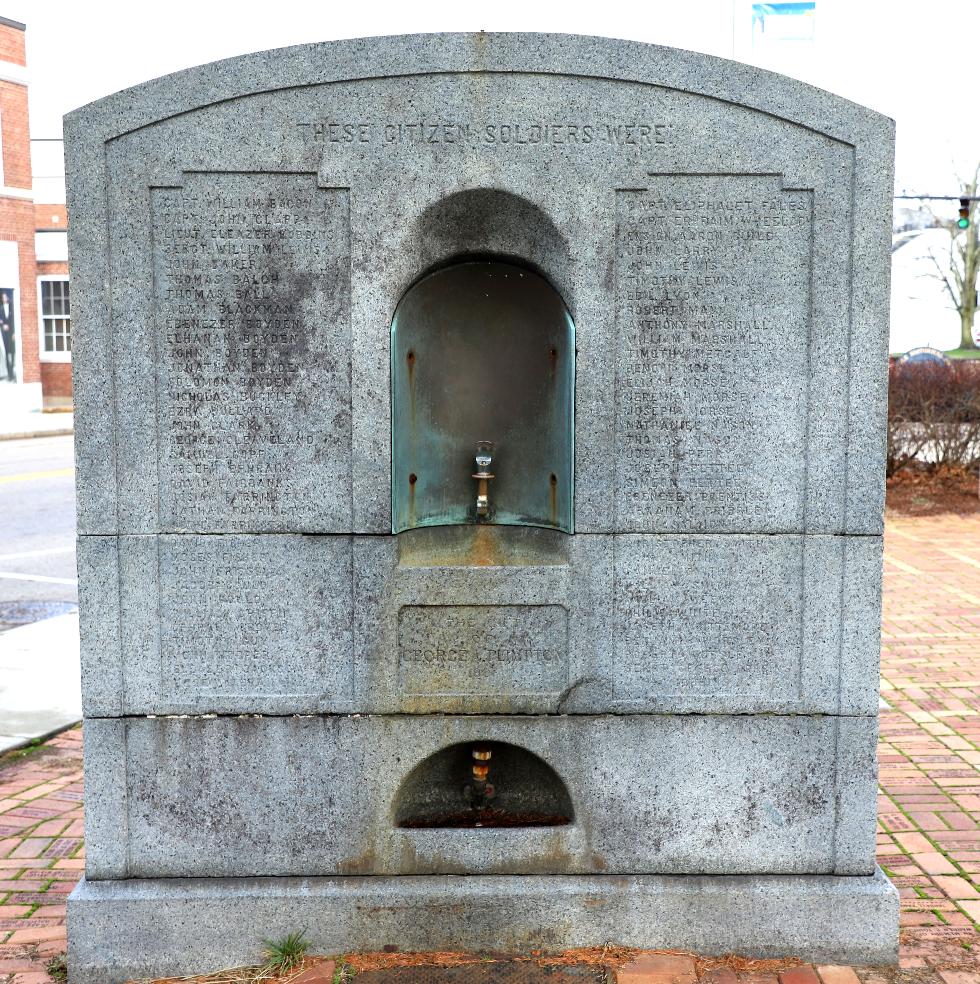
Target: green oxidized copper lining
{"type": "Point", "coordinates": [482, 352]}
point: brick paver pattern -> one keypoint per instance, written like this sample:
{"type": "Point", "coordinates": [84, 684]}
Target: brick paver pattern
{"type": "Point", "coordinates": [929, 752]}
{"type": "Point", "coordinates": [929, 804]}
{"type": "Point", "coordinates": [41, 855]}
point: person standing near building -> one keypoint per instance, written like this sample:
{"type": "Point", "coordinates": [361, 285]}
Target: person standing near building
{"type": "Point", "coordinates": [7, 332]}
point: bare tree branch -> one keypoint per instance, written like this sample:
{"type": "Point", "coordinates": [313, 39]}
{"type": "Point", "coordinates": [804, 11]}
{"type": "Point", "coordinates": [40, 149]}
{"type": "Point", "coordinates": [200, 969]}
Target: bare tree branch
{"type": "Point", "coordinates": [960, 271]}
{"type": "Point", "coordinates": [941, 276]}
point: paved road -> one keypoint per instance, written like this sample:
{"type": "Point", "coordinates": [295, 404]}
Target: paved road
{"type": "Point", "coordinates": [37, 529]}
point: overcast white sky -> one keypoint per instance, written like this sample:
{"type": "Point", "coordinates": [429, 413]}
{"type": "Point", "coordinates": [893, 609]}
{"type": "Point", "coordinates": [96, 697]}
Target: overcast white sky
{"type": "Point", "coordinates": [914, 61]}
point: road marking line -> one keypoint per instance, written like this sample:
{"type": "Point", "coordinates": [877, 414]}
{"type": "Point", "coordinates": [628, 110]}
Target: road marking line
{"type": "Point", "coordinates": [32, 476]}
{"type": "Point", "coordinates": [10, 576]}
{"type": "Point", "coordinates": [37, 553]}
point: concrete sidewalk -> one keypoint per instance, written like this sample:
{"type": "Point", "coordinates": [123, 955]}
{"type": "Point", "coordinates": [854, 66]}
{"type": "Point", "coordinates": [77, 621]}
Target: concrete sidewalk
{"type": "Point", "coordinates": [40, 680]}
{"type": "Point", "coordinates": [18, 424]}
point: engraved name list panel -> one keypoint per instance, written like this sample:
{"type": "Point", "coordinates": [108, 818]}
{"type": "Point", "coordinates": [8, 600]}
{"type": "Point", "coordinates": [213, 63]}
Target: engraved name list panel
{"type": "Point", "coordinates": [252, 327]}
{"type": "Point", "coordinates": [713, 321]}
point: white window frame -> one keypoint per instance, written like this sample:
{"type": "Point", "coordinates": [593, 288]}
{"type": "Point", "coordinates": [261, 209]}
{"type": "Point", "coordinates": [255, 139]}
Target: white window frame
{"type": "Point", "coordinates": [50, 356]}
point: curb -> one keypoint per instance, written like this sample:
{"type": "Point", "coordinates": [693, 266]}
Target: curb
{"type": "Point", "coordinates": [41, 738]}
{"type": "Point", "coordinates": [24, 435]}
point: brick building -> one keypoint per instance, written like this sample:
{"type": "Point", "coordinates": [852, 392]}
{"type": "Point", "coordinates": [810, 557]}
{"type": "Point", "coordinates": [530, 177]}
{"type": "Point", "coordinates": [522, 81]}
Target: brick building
{"type": "Point", "coordinates": [35, 331]}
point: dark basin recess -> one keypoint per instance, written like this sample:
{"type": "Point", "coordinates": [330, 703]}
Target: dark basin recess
{"type": "Point", "coordinates": [483, 784]}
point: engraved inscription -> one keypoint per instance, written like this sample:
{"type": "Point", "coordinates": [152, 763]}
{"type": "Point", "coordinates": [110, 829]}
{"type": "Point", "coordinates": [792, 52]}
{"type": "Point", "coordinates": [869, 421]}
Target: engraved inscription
{"type": "Point", "coordinates": [255, 615]}
{"type": "Point", "coordinates": [622, 134]}
{"type": "Point", "coordinates": [252, 305]}
{"type": "Point", "coordinates": [483, 649]}
{"type": "Point", "coordinates": [708, 616]}
{"type": "Point", "coordinates": [713, 302]}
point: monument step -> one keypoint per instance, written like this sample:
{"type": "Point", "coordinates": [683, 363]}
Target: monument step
{"type": "Point", "coordinates": [127, 929]}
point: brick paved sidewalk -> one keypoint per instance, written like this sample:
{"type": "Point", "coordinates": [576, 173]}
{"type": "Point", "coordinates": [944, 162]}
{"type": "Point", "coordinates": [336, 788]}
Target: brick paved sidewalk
{"type": "Point", "coordinates": [929, 808]}
{"type": "Point", "coordinates": [40, 854]}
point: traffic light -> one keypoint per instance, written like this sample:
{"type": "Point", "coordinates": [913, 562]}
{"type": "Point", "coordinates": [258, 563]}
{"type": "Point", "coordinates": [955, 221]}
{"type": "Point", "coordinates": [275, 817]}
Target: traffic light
{"type": "Point", "coordinates": [964, 219]}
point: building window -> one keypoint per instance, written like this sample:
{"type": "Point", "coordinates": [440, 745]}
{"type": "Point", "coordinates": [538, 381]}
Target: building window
{"type": "Point", "coordinates": [55, 319]}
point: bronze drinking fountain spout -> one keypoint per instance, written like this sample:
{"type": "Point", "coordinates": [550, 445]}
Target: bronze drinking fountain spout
{"type": "Point", "coordinates": [479, 790]}
{"type": "Point", "coordinates": [484, 456]}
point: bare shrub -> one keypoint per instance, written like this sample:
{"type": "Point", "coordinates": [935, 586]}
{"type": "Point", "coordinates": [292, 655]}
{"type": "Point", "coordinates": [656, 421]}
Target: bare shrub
{"type": "Point", "coordinates": [934, 416]}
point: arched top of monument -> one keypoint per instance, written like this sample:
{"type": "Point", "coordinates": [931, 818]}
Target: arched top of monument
{"type": "Point", "coordinates": [512, 53]}
{"type": "Point", "coordinates": [295, 195]}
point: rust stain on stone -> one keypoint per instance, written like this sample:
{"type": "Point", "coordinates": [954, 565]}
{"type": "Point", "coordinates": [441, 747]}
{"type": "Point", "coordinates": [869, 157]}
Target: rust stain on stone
{"type": "Point", "coordinates": [363, 864]}
{"type": "Point", "coordinates": [487, 817]}
{"type": "Point", "coordinates": [484, 548]}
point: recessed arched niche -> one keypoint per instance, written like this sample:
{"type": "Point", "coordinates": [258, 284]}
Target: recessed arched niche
{"type": "Point", "coordinates": [483, 371]}
{"type": "Point", "coordinates": [517, 789]}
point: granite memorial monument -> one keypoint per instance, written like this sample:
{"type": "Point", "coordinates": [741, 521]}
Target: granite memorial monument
{"type": "Point", "coordinates": [480, 449]}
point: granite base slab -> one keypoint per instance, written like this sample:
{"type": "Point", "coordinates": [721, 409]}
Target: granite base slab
{"type": "Point", "coordinates": [162, 927]}
{"type": "Point", "coordinates": [327, 795]}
